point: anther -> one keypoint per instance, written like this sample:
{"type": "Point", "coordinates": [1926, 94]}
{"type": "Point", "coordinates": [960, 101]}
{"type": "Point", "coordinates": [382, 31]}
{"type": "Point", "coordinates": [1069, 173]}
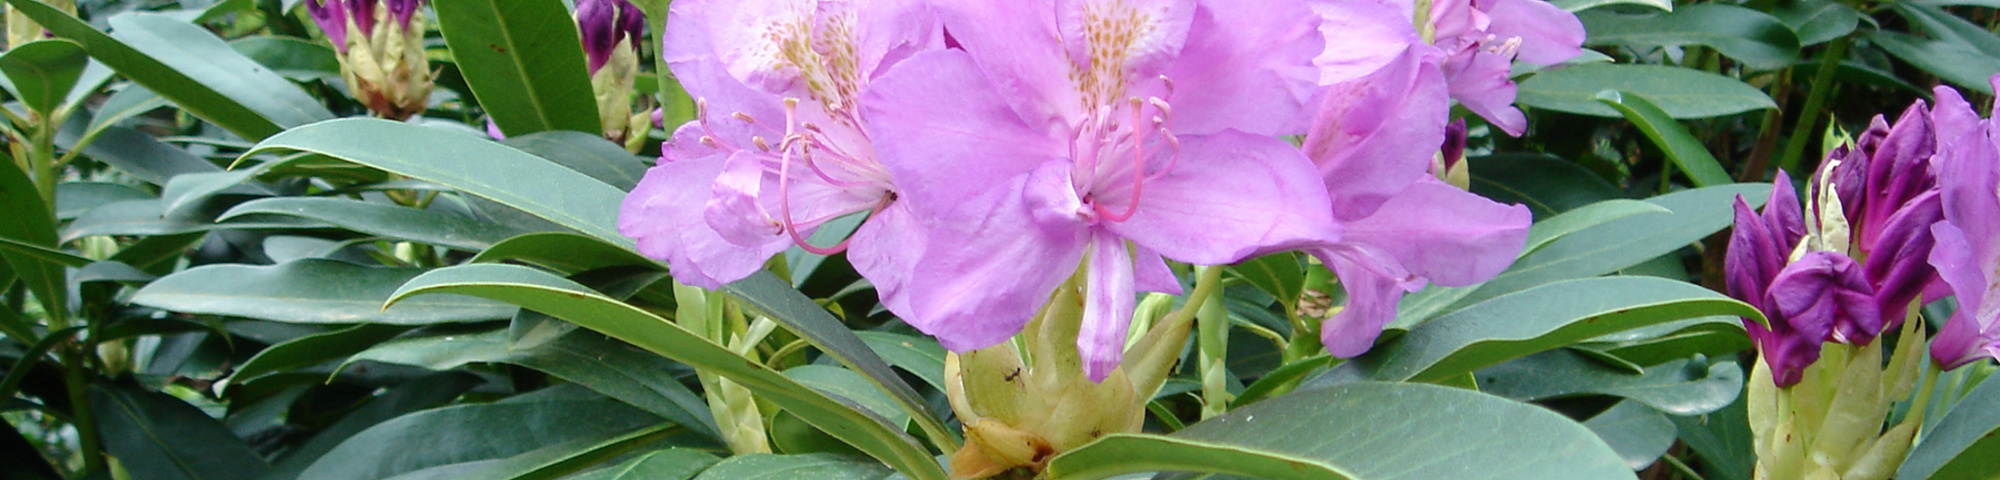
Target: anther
{"type": "Point", "coordinates": [745, 117]}
{"type": "Point", "coordinates": [762, 145]}
{"type": "Point", "coordinates": [701, 110]}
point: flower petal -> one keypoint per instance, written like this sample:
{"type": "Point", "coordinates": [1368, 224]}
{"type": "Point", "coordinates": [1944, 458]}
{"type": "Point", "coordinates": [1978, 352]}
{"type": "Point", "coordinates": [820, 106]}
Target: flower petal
{"type": "Point", "coordinates": [1374, 136]}
{"type": "Point", "coordinates": [1825, 295]}
{"type": "Point", "coordinates": [1361, 37]}
{"type": "Point", "coordinates": [1247, 66]}
{"type": "Point", "coordinates": [945, 132]}
{"type": "Point", "coordinates": [1017, 46]}
{"type": "Point", "coordinates": [734, 211]}
{"type": "Point", "coordinates": [1959, 342]}
{"type": "Point", "coordinates": [1479, 80]}
{"type": "Point", "coordinates": [1449, 236]}
{"type": "Point", "coordinates": [1549, 35]}
{"type": "Point", "coordinates": [1107, 308]}
{"type": "Point", "coordinates": [991, 264]}
{"type": "Point", "coordinates": [1371, 304]}
{"type": "Point", "coordinates": [1900, 267]}
{"type": "Point", "coordinates": [1231, 195]}
{"type": "Point", "coordinates": [885, 250]}
{"type": "Point", "coordinates": [891, 30]}
{"type": "Point", "coordinates": [1144, 34]}
{"type": "Point", "coordinates": [664, 214]}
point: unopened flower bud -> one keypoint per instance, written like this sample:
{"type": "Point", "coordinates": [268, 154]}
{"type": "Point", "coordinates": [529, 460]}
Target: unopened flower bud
{"type": "Point", "coordinates": [380, 44]}
{"type": "Point", "coordinates": [21, 29]}
{"type": "Point", "coordinates": [611, 32]}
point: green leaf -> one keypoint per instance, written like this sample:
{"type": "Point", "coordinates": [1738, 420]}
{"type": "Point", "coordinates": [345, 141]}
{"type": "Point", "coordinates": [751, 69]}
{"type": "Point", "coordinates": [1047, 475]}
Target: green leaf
{"type": "Point", "coordinates": [560, 251]}
{"type": "Point", "coordinates": [402, 223]}
{"type": "Point", "coordinates": [31, 223]}
{"type": "Point", "coordinates": [312, 350]}
{"type": "Point", "coordinates": [1749, 36]}
{"type": "Point", "coordinates": [1412, 431]}
{"type": "Point", "coordinates": [146, 218]}
{"type": "Point", "coordinates": [142, 156]}
{"type": "Point", "coordinates": [190, 66]}
{"type": "Point", "coordinates": [1951, 60]}
{"type": "Point", "coordinates": [1639, 434]}
{"type": "Point", "coordinates": [1603, 249]}
{"type": "Point", "coordinates": [798, 313]}
{"type": "Point", "coordinates": [159, 437]}
{"type": "Point", "coordinates": [466, 433]}
{"type": "Point", "coordinates": [524, 62]}
{"type": "Point", "coordinates": [1533, 320]}
{"type": "Point", "coordinates": [41, 73]}
{"type": "Point", "coordinates": [587, 154]}
{"type": "Point", "coordinates": [619, 371]}
{"type": "Point", "coordinates": [845, 384]}
{"type": "Point", "coordinates": [920, 356]}
{"type": "Point", "coordinates": [310, 291]}
{"type": "Point", "coordinates": [1943, 25]}
{"type": "Point", "coordinates": [1817, 21]}
{"type": "Point", "coordinates": [1581, 5]}
{"type": "Point", "coordinates": [295, 58]}
{"type": "Point", "coordinates": [1722, 439]}
{"type": "Point", "coordinates": [411, 396]}
{"type": "Point", "coordinates": [1679, 387]}
{"type": "Point", "coordinates": [42, 254]}
{"type": "Point", "coordinates": [567, 300]}
{"type": "Point", "coordinates": [785, 467]}
{"type": "Point", "coordinates": [469, 164]}
{"type": "Point", "coordinates": [1966, 442]}
{"type": "Point", "coordinates": [1555, 228]}
{"type": "Point", "coordinates": [1683, 93]}
{"type": "Point", "coordinates": [1712, 336]}
{"type": "Point", "coordinates": [1278, 274]}
{"type": "Point", "coordinates": [24, 461]}
{"type": "Point", "coordinates": [74, 198]}
{"type": "Point", "coordinates": [555, 461]}
{"type": "Point", "coordinates": [1681, 148]}
{"type": "Point", "coordinates": [669, 464]}
{"type": "Point", "coordinates": [1546, 184]}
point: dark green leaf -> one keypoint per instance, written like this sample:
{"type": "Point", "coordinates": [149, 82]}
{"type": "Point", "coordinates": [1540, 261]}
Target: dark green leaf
{"type": "Point", "coordinates": [30, 222]}
{"type": "Point", "coordinates": [561, 251]}
{"type": "Point", "coordinates": [466, 433]}
{"type": "Point", "coordinates": [786, 467]}
{"type": "Point", "coordinates": [587, 154]}
{"type": "Point", "coordinates": [1953, 61]}
{"type": "Point", "coordinates": [1546, 184]}
{"type": "Point", "coordinates": [1749, 36]}
{"type": "Point", "coordinates": [1533, 320]}
{"type": "Point", "coordinates": [1966, 442]}
{"type": "Point", "coordinates": [144, 157]}
{"type": "Point", "coordinates": [567, 300]}
{"type": "Point", "coordinates": [669, 464]}
{"type": "Point", "coordinates": [1683, 93]}
{"type": "Point", "coordinates": [415, 395]}
{"type": "Point", "coordinates": [1722, 439]}
{"type": "Point", "coordinates": [1681, 148]}
{"type": "Point", "coordinates": [1817, 21]}
{"type": "Point", "coordinates": [41, 73]}
{"type": "Point", "coordinates": [1639, 434]}
{"type": "Point", "coordinates": [312, 350]}
{"type": "Point", "coordinates": [561, 459]}
{"type": "Point", "coordinates": [74, 198]}
{"type": "Point", "coordinates": [1943, 25]}
{"type": "Point", "coordinates": [920, 356]}
{"type": "Point", "coordinates": [1412, 431]}
{"type": "Point", "coordinates": [24, 461]}
{"type": "Point", "coordinates": [1581, 5]}
{"type": "Point", "coordinates": [1278, 274]}
{"type": "Point", "coordinates": [523, 60]}
{"type": "Point", "coordinates": [310, 291]}
{"type": "Point", "coordinates": [295, 58]}
{"type": "Point", "coordinates": [1583, 218]}
{"type": "Point", "coordinates": [159, 437]}
{"type": "Point", "coordinates": [390, 221]}
{"type": "Point", "coordinates": [845, 384]}
{"type": "Point", "coordinates": [1678, 387]}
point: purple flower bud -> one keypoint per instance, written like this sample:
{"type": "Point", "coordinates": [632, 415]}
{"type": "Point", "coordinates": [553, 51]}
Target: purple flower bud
{"type": "Point", "coordinates": [1822, 296]}
{"type": "Point", "coordinates": [1900, 269]}
{"type": "Point", "coordinates": [1454, 143]}
{"type": "Point", "coordinates": [605, 23]}
{"type": "Point", "coordinates": [362, 13]}
{"type": "Point", "coordinates": [403, 10]}
{"type": "Point", "coordinates": [331, 17]}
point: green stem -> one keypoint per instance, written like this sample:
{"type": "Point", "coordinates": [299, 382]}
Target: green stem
{"type": "Point", "coordinates": [1683, 468]}
{"type": "Point", "coordinates": [1212, 330]}
{"type": "Point", "coordinates": [1822, 86]}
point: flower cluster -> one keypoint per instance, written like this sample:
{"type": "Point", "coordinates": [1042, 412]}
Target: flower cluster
{"type": "Point", "coordinates": [1967, 255]}
{"type": "Point", "coordinates": [611, 31]}
{"type": "Point", "coordinates": [380, 44]}
{"type": "Point", "coordinates": [996, 147]}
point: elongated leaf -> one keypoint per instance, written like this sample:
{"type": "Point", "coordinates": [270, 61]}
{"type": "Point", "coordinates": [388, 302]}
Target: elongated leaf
{"type": "Point", "coordinates": [554, 461]}
{"type": "Point", "coordinates": [1749, 36]}
{"type": "Point", "coordinates": [1722, 439]}
{"type": "Point", "coordinates": [415, 395]}
{"type": "Point", "coordinates": [31, 224]}
{"type": "Point", "coordinates": [1681, 148]}
{"type": "Point", "coordinates": [1412, 431]}
{"type": "Point", "coordinates": [41, 73]}
{"type": "Point", "coordinates": [920, 356]}
{"type": "Point", "coordinates": [1530, 321]}
{"type": "Point", "coordinates": [1966, 442]}
{"type": "Point", "coordinates": [24, 461]}
{"type": "Point", "coordinates": [1817, 21]}
{"type": "Point", "coordinates": [524, 61]}
{"type": "Point", "coordinates": [1943, 25]}
{"type": "Point", "coordinates": [1951, 60]}
{"type": "Point", "coordinates": [669, 464]}
{"type": "Point", "coordinates": [1545, 231]}
{"type": "Point", "coordinates": [162, 438]}
{"type": "Point", "coordinates": [148, 218]}
{"type": "Point", "coordinates": [190, 66]}
{"type": "Point", "coordinates": [467, 433]}
{"type": "Point", "coordinates": [1581, 5]}
{"type": "Point", "coordinates": [310, 291]}
{"type": "Point", "coordinates": [1548, 185]}
{"type": "Point", "coordinates": [42, 254]}
{"type": "Point", "coordinates": [142, 156]}
{"type": "Point", "coordinates": [295, 58]}
{"type": "Point", "coordinates": [1639, 434]}
{"type": "Point", "coordinates": [561, 251]}
{"type": "Point", "coordinates": [1278, 274]}
{"type": "Point", "coordinates": [587, 154]}
{"type": "Point", "coordinates": [802, 316]}
{"type": "Point", "coordinates": [1678, 387]}
{"type": "Point", "coordinates": [776, 467]}
{"type": "Point", "coordinates": [471, 165]}
{"type": "Point", "coordinates": [422, 226]}
{"type": "Point", "coordinates": [846, 384]}
{"type": "Point", "coordinates": [312, 350]}
{"type": "Point", "coordinates": [74, 198]}
{"type": "Point", "coordinates": [1683, 93]}
{"type": "Point", "coordinates": [569, 301]}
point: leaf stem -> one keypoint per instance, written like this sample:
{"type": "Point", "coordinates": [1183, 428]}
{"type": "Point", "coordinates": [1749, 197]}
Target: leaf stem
{"type": "Point", "coordinates": [1822, 86]}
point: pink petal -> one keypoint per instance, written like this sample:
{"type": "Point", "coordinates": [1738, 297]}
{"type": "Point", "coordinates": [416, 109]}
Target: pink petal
{"type": "Point", "coordinates": [946, 133]}
{"type": "Point", "coordinates": [664, 214]}
{"type": "Point", "coordinates": [1549, 35]}
{"type": "Point", "coordinates": [1449, 236]}
{"type": "Point", "coordinates": [1107, 307]}
{"type": "Point", "coordinates": [990, 264]}
{"type": "Point", "coordinates": [1231, 195]}
{"type": "Point", "coordinates": [750, 38]}
{"type": "Point", "coordinates": [1371, 303]}
{"type": "Point", "coordinates": [1959, 341]}
{"type": "Point", "coordinates": [1361, 37]}
{"type": "Point", "coordinates": [1151, 274]}
{"type": "Point", "coordinates": [1479, 81]}
{"type": "Point", "coordinates": [885, 250]}
{"type": "Point", "coordinates": [1246, 66]}
{"type": "Point", "coordinates": [1375, 135]}
{"type": "Point", "coordinates": [733, 211]}
{"type": "Point", "coordinates": [1158, 29]}
{"type": "Point", "coordinates": [1017, 46]}
{"type": "Point", "coordinates": [694, 63]}
{"type": "Point", "coordinates": [892, 30]}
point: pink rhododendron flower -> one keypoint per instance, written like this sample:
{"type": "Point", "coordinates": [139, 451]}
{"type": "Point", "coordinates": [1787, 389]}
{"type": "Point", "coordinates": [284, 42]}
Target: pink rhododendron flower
{"type": "Point", "coordinates": [1967, 255]}
{"type": "Point", "coordinates": [1101, 131]}
{"type": "Point", "coordinates": [781, 146]}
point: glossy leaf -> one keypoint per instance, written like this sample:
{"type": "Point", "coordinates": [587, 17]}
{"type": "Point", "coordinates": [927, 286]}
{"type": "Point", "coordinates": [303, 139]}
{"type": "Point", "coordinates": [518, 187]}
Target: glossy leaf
{"type": "Point", "coordinates": [1679, 387]}
{"type": "Point", "coordinates": [1533, 320]}
{"type": "Point", "coordinates": [557, 460]}
{"type": "Point", "coordinates": [465, 433]}
{"type": "Point", "coordinates": [567, 300]}
{"type": "Point", "coordinates": [560, 251]}
{"type": "Point", "coordinates": [1953, 61]}
{"type": "Point", "coordinates": [775, 467]}
{"type": "Point", "coordinates": [164, 438]}
{"type": "Point", "coordinates": [421, 226]}
{"type": "Point", "coordinates": [1966, 442]}
{"type": "Point", "coordinates": [1683, 93]}
{"type": "Point", "coordinates": [1749, 36]}
{"type": "Point", "coordinates": [587, 154]}
{"type": "Point", "coordinates": [74, 198]}
{"type": "Point", "coordinates": [1583, 218]}
{"type": "Point", "coordinates": [1943, 25]}
{"type": "Point", "coordinates": [919, 356]}
{"type": "Point", "coordinates": [31, 223]}
{"type": "Point", "coordinates": [417, 394]}
{"type": "Point", "coordinates": [1581, 5]}
{"type": "Point", "coordinates": [41, 73]}
{"type": "Point", "coordinates": [1639, 434]}
{"type": "Point", "coordinates": [295, 58]}
{"type": "Point", "coordinates": [310, 291]}
{"type": "Point", "coordinates": [669, 464]}
{"type": "Point", "coordinates": [1278, 274]}
{"type": "Point", "coordinates": [1817, 21]}
{"type": "Point", "coordinates": [469, 164]}
{"type": "Point", "coordinates": [524, 61]}
{"type": "Point", "coordinates": [312, 350]}
{"type": "Point", "coordinates": [1453, 433]}
{"type": "Point", "coordinates": [1681, 148]}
